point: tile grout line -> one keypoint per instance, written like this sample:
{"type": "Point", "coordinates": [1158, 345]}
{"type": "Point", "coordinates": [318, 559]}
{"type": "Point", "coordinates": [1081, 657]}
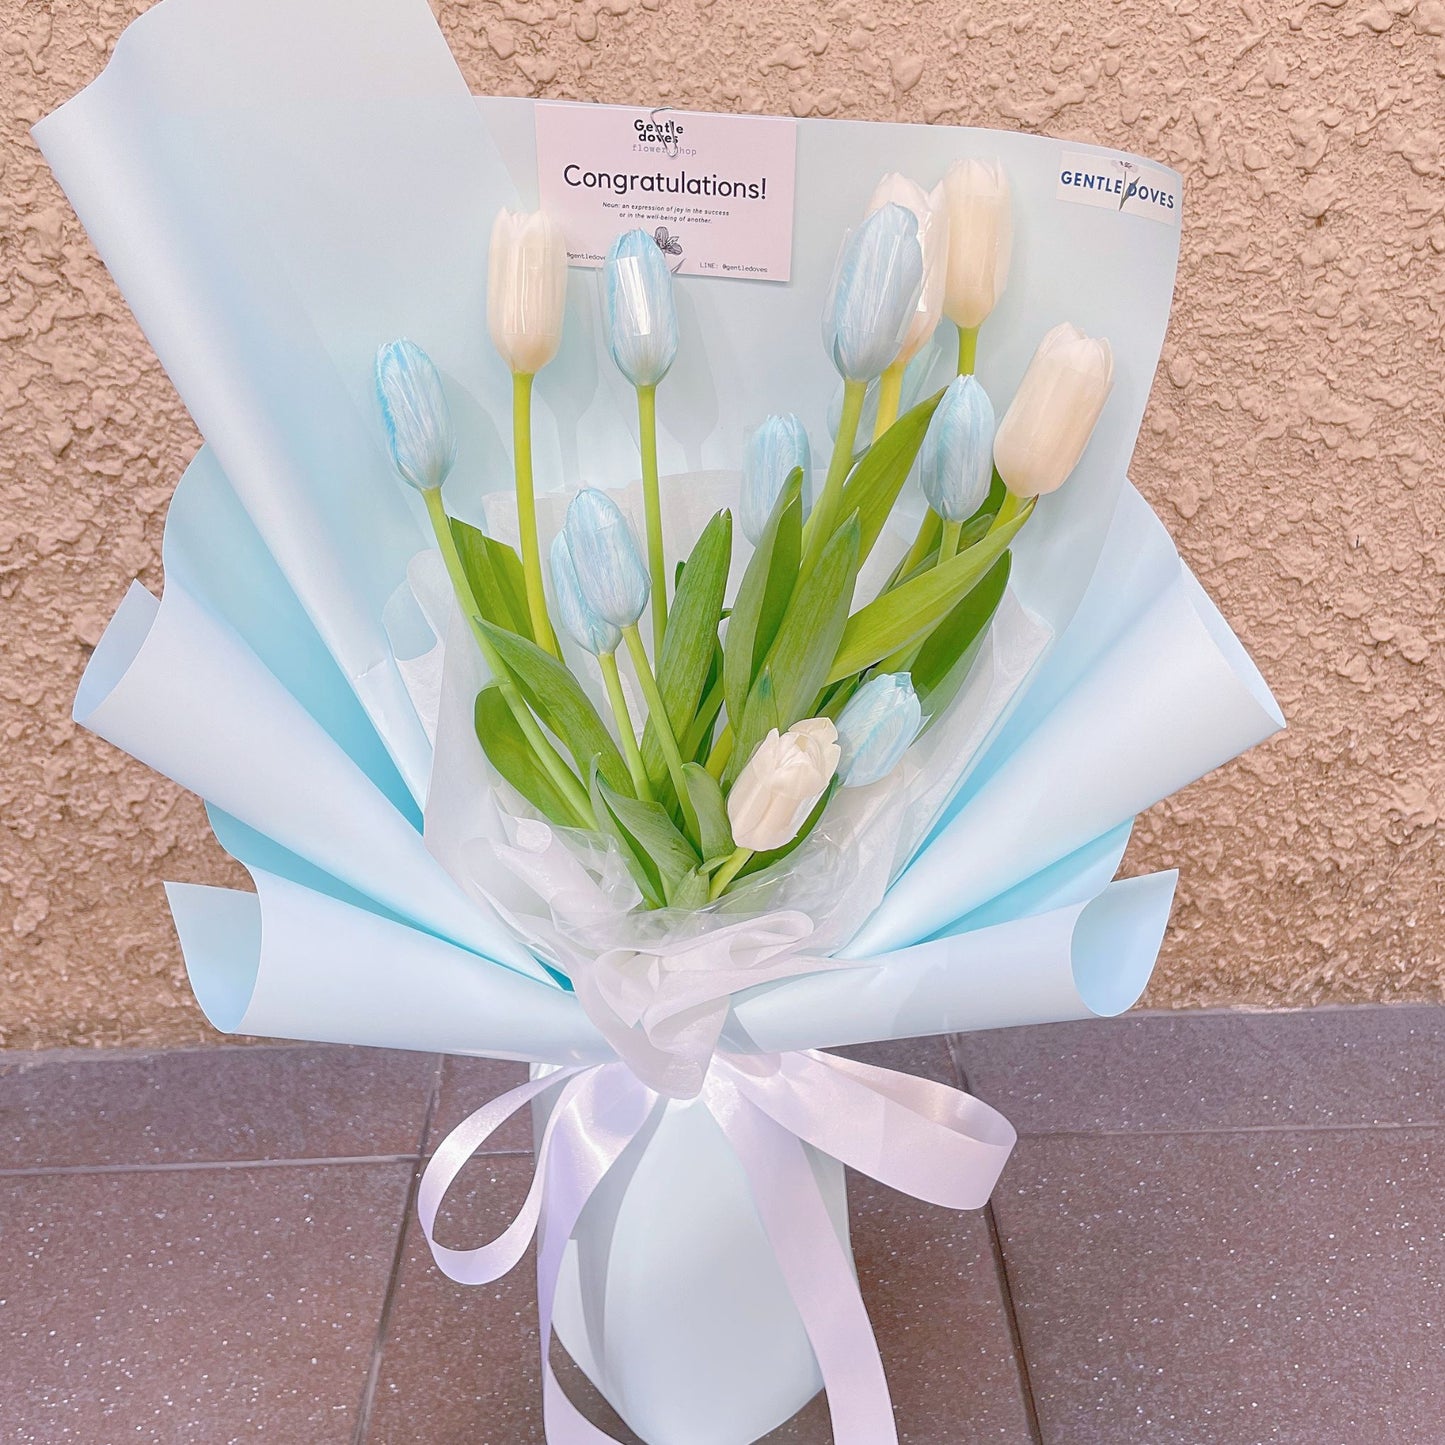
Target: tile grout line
{"type": "Point", "coordinates": [1005, 1287]}
{"type": "Point", "coordinates": [1227, 1129]}
{"type": "Point", "coordinates": [184, 1166]}
{"type": "Point", "coordinates": [344, 1161]}
{"type": "Point", "coordinates": [383, 1323]}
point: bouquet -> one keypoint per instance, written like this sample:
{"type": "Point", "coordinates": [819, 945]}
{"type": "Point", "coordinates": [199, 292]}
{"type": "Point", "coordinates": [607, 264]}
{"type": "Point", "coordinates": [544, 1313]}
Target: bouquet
{"type": "Point", "coordinates": [697, 759]}
{"type": "Point", "coordinates": [775, 776]}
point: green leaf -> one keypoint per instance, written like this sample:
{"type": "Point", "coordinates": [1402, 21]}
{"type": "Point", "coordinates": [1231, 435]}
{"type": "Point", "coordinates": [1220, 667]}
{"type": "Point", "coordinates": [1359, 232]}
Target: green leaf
{"type": "Point", "coordinates": [654, 833]}
{"type": "Point", "coordinates": [634, 855]}
{"type": "Point", "coordinates": [712, 812]}
{"type": "Point", "coordinates": [558, 699]}
{"type": "Point", "coordinates": [698, 742]}
{"type": "Point", "coordinates": [690, 642]}
{"type": "Point", "coordinates": [495, 573]}
{"type": "Point", "coordinates": [814, 623]}
{"type": "Point", "coordinates": [991, 503]}
{"type": "Point", "coordinates": [874, 485]}
{"type": "Point", "coordinates": [760, 717]}
{"type": "Point", "coordinates": [836, 697]}
{"type": "Point", "coordinates": [690, 891]}
{"type": "Point", "coordinates": [945, 658]}
{"type": "Point", "coordinates": [794, 671]}
{"type": "Point", "coordinates": [909, 612]}
{"type": "Point", "coordinates": [763, 596]}
{"type": "Point", "coordinates": [809, 636]}
{"type": "Point", "coordinates": [511, 755]}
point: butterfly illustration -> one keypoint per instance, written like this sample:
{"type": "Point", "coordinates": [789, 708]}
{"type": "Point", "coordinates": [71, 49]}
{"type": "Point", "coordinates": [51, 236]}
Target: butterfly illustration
{"type": "Point", "coordinates": [668, 245]}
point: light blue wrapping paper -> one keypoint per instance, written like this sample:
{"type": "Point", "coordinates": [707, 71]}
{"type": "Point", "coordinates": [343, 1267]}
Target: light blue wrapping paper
{"type": "Point", "coordinates": [279, 185]}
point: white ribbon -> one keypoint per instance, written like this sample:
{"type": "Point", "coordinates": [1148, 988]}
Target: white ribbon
{"type": "Point", "coordinates": [925, 1139]}
{"type": "Point", "coordinates": [663, 1007]}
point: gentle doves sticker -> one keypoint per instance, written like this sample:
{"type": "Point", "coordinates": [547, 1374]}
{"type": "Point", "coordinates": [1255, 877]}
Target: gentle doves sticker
{"type": "Point", "coordinates": [1130, 187]}
{"type": "Point", "coordinates": [714, 191]}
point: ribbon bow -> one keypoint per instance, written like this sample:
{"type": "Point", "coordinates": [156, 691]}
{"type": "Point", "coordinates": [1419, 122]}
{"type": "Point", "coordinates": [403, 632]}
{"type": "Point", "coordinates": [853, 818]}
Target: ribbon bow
{"type": "Point", "coordinates": [662, 1006]}
{"type": "Point", "coordinates": [925, 1139]}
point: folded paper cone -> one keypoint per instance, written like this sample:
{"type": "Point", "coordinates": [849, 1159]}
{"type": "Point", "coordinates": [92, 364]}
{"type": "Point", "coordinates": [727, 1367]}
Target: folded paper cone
{"type": "Point", "coordinates": [1089, 960]}
{"type": "Point", "coordinates": [289, 962]}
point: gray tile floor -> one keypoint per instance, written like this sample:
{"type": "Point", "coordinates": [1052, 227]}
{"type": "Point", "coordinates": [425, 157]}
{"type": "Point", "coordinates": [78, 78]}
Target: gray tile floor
{"type": "Point", "coordinates": [1217, 1229]}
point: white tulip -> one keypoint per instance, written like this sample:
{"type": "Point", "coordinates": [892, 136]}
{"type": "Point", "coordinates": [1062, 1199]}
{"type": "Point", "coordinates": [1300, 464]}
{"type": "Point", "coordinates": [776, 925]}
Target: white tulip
{"type": "Point", "coordinates": [782, 783]}
{"type": "Point", "coordinates": [1047, 426]}
{"type": "Point", "coordinates": [526, 289]}
{"type": "Point", "coordinates": [980, 240]}
{"type": "Point", "coordinates": [930, 212]}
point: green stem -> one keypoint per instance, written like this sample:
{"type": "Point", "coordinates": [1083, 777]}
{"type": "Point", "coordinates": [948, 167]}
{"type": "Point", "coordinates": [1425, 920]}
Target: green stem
{"type": "Point", "coordinates": [652, 501]}
{"type": "Point", "coordinates": [725, 875]}
{"type": "Point", "coordinates": [948, 547]}
{"type": "Point", "coordinates": [657, 711]}
{"type": "Point", "coordinates": [967, 349]}
{"type": "Point", "coordinates": [542, 633]}
{"type": "Point", "coordinates": [1009, 508]}
{"type": "Point", "coordinates": [890, 393]}
{"type": "Point", "coordinates": [825, 515]}
{"type": "Point", "coordinates": [547, 755]}
{"type": "Point", "coordinates": [722, 751]}
{"type": "Point", "coordinates": [924, 545]}
{"type": "Point", "coordinates": [607, 661]}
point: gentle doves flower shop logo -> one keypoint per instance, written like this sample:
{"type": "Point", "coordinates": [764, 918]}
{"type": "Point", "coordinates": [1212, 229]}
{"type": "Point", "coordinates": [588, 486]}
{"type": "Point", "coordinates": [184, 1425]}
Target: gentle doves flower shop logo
{"type": "Point", "coordinates": [1116, 184]}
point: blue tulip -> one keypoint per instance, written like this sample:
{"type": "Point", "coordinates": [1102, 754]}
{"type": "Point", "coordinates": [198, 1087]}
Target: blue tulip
{"type": "Point", "coordinates": [641, 315]}
{"type": "Point", "coordinates": [604, 554]}
{"type": "Point", "coordinates": [955, 462]}
{"type": "Point", "coordinates": [774, 451]}
{"type": "Point", "coordinates": [875, 295]}
{"type": "Point", "coordinates": [414, 407]}
{"type": "Point", "coordinates": [877, 727]}
{"type": "Point", "coordinates": [575, 613]}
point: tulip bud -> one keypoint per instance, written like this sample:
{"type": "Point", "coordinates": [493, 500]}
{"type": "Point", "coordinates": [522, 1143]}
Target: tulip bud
{"type": "Point", "coordinates": [980, 239]}
{"type": "Point", "coordinates": [876, 728]}
{"type": "Point", "coordinates": [781, 784]}
{"type": "Point", "coordinates": [575, 613]}
{"type": "Point", "coordinates": [955, 462]}
{"type": "Point", "coordinates": [526, 289]}
{"type": "Point", "coordinates": [604, 554]}
{"type": "Point", "coordinates": [414, 408]}
{"type": "Point", "coordinates": [1048, 424]}
{"type": "Point", "coordinates": [931, 218]}
{"type": "Point", "coordinates": [641, 314]}
{"type": "Point", "coordinates": [774, 450]}
{"type": "Point", "coordinates": [875, 294]}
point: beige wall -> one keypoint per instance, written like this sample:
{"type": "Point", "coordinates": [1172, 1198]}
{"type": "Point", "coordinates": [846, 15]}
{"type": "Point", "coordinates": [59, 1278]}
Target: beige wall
{"type": "Point", "coordinates": [1293, 446]}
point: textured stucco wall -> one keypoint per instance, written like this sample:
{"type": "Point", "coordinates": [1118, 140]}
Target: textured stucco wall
{"type": "Point", "coordinates": [1293, 445]}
